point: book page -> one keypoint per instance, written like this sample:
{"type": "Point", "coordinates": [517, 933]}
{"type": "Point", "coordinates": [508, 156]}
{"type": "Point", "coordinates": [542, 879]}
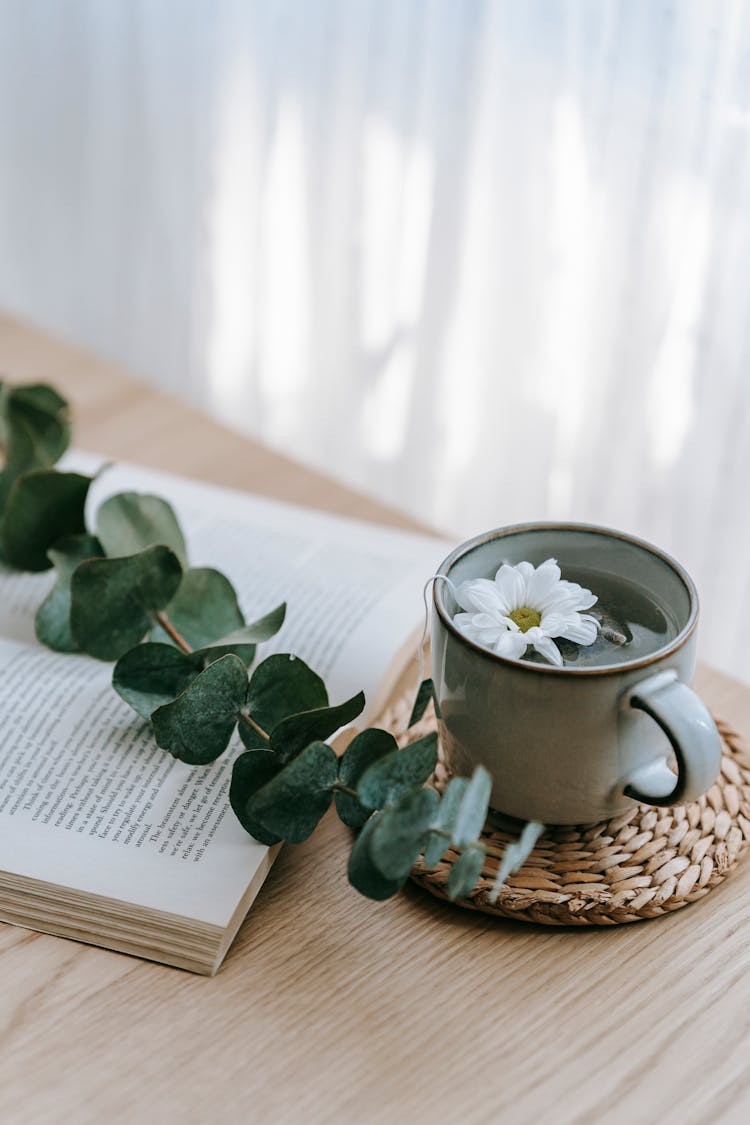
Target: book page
{"type": "Point", "coordinates": [89, 801]}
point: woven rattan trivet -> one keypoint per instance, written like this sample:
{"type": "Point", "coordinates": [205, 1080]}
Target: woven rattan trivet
{"type": "Point", "coordinates": [643, 864]}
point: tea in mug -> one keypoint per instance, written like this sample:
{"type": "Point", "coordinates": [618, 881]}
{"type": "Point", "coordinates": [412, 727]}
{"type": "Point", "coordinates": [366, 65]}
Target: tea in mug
{"type": "Point", "coordinates": [633, 624]}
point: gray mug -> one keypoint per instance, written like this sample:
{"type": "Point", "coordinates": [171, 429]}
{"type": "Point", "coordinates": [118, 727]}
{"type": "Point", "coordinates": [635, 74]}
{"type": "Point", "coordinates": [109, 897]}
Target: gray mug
{"type": "Point", "coordinates": [567, 745]}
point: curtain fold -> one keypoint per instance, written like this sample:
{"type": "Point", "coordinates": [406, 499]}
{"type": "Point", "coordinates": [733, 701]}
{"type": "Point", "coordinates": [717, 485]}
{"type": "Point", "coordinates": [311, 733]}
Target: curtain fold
{"type": "Point", "coordinates": [487, 259]}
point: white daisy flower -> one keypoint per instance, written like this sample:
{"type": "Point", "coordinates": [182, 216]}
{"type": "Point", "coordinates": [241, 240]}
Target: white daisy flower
{"type": "Point", "coordinates": [525, 606]}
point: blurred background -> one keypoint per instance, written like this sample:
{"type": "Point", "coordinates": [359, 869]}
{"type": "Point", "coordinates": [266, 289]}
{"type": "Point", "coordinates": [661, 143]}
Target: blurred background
{"type": "Point", "coordinates": [487, 260]}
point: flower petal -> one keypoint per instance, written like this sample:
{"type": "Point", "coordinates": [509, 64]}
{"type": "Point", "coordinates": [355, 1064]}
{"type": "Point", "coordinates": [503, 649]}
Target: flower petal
{"type": "Point", "coordinates": [547, 648]}
{"type": "Point", "coordinates": [487, 621]}
{"type": "Point", "coordinates": [483, 628]}
{"type": "Point", "coordinates": [512, 586]}
{"type": "Point", "coordinates": [582, 630]}
{"type": "Point", "coordinates": [488, 637]}
{"type": "Point", "coordinates": [464, 622]}
{"type": "Point", "coordinates": [554, 623]}
{"type": "Point", "coordinates": [511, 645]}
{"type": "Point", "coordinates": [567, 598]}
{"type": "Point", "coordinates": [480, 595]}
{"type": "Point", "coordinates": [544, 581]}
{"type": "Point", "coordinates": [582, 597]}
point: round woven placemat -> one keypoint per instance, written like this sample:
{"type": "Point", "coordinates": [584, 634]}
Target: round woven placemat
{"type": "Point", "coordinates": [643, 864]}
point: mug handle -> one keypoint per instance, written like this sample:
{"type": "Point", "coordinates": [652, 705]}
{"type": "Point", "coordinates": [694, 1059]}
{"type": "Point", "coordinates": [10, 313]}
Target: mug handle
{"type": "Point", "coordinates": [692, 732]}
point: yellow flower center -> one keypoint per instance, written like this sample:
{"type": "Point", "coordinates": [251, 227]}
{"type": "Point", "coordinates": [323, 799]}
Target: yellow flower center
{"type": "Point", "coordinates": [525, 618]}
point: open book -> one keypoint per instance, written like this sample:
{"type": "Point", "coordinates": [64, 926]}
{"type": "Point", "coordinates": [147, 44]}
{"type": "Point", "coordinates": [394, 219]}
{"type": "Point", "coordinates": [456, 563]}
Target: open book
{"type": "Point", "coordinates": [106, 838]}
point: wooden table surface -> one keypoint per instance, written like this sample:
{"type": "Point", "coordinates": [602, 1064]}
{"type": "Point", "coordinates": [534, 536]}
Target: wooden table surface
{"type": "Point", "coordinates": [330, 1008]}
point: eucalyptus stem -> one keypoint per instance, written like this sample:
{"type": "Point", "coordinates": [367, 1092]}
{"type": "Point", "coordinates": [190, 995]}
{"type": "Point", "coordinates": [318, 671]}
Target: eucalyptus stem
{"type": "Point", "coordinates": [339, 787]}
{"type": "Point", "coordinates": [258, 729]}
{"type": "Point", "coordinates": [169, 628]}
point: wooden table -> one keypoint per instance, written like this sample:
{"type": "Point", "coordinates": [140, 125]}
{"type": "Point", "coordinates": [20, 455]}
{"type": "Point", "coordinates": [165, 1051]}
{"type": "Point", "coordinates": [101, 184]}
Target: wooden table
{"type": "Point", "coordinates": [333, 1008]}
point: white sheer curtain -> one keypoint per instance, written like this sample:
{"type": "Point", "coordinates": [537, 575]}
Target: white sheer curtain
{"type": "Point", "coordinates": [486, 259]}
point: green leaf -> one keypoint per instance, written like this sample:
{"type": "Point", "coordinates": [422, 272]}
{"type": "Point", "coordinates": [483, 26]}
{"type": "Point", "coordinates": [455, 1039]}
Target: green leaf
{"type": "Point", "coordinates": [113, 601]}
{"type": "Point", "coordinates": [196, 727]}
{"type": "Point", "coordinates": [465, 873]}
{"type": "Point", "coordinates": [204, 608]}
{"type": "Point", "coordinates": [43, 505]}
{"type": "Point", "coordinates": [364, 876]}
{"type": "Point", "coordinates": [516, 855]}
{"type": "Point", "coordinates": [251, 771]}
{"type": "Point", "coordinates": [398, 771]}
{"type": "Point", "coordinates": [295, 732]}
{"type": "Point", "coordinates": [422, 701]}
{"type": "Point", "coordinates": [52, 621]}
{"type": "Point", "coordinates": [34, 424]}
{"type": "Point", "coordinates": [362, 751]}
{"type": "Point", "coordinates": [280, 686]}
{"type": "Point", "coordinates": [258, 631]}
{"type": "Point", "coordinates": [292, 803]}
{"type": "Point", "coordinates": [34, 431]}
{"type": "Point", "coordinates": [438, 844]}
{"type": "Point", "coordinates": [8, 477]}
{"type": "Point", "coordinates": [150, 675]}
{"type": "Point", "coordinates": [208, 655]}
{"type": "Point", "coordinates": [400, 834]}
{"type": "Point", "coordinates": [131, 521]}
{"type": "Point", "coordinates": [472, 811]}
{"type": "Point", "coordinates": [40, 397]}
{"type": "Point", "coordinates": [243, 642]}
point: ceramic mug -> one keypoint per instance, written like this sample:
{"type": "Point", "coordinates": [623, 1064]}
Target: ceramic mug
{"type": "Point", "coordinates": [574, 745]}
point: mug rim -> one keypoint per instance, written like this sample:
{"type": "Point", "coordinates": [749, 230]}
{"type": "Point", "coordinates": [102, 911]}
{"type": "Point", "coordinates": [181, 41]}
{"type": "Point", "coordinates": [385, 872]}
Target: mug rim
{"type": "Point", "coordinates": [551, 669]}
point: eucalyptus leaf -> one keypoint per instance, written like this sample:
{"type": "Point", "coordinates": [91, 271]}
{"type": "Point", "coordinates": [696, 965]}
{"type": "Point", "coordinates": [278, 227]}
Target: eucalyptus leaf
{"type": "Point", "coordinates": [436, 847]}
{"type": "Point", "coordinates": [472, 811]}
{"type": "Point", "coordinates": [21, 449]}
{"type": "Point", "coordinates": [516, 854]}
{"type": "Point", "coordinates": [450, 802]}
{"type": "Point", "coordinates": [400, 834]}
{"type": "Point", "coordinates": [204, 609]}
{"type": "Point", "coordinates": [196, 726]}
{"type": "Point", "coordinates": [258, 631]}
{"type": "Point", "coordinates": [385, 780]}
{"type": "Point", "coordinates": [34, 424]}
{"type": "Point", "coordinates": [292, 734]}
{"type": "Point", "coordinates": [362, 751]}
{"type": "Point", "coordinates": [41, 398]}
{"type": "Point", "coordinates": [425, 693]}
{"type": "Point", "coordinates": [8, 477]}
{"type": "Point", "coordinates": [151, 675]}
{"type": "Point", "coordinates": [211, 653]}
{"type": "Point", "coordinates": [251, 771]}
{"type": "Point", "coordinates": [42, 506]}
{"type": "Point", "coordinates": [292, 803]}
{"type": "Point", "coordinates": [52, 621]}
{"type": "Point", "coordinates": [131, 521]}
{"type": "Point", "coordinates": [280, 686]}
{"type": "Point", "coordinates": [113, 601]}
{"type": "Point", "coordinates": [465, 872]}
{"type": "Point", "coordinates": [243, 642]}
{"type": "Point", "coordinates": [364, 876]}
